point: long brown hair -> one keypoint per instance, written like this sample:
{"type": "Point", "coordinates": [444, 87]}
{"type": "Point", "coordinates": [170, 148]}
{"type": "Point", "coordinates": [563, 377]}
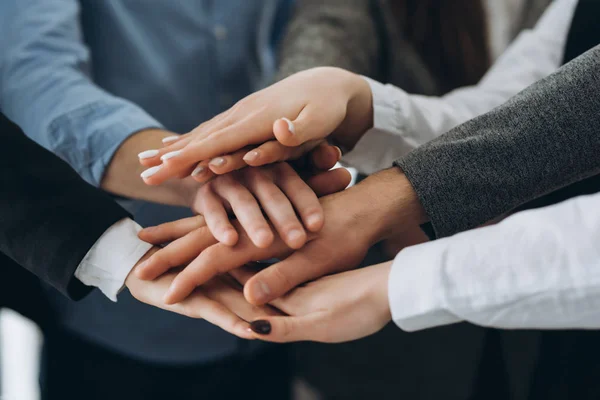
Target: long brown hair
{"type": "Point", "coordinates": [450, 35]}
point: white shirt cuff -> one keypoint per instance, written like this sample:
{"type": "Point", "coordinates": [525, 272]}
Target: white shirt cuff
{"type": "Point", "coordinates": [379, 147]}
{"type": "Point", "coordinates": [111, 259]}
{"type": "Point", "coordinates": [416, 288]}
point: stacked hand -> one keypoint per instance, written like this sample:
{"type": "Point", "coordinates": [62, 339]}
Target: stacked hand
{"type": "Point", "coordinates": [299, 112]}
{"type": "Point", "coordinates": [350, 229]}
{"type": "Point", "coordinates": [283, 122]}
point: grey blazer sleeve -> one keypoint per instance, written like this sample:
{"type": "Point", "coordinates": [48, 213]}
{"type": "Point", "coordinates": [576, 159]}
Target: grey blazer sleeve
{"type": "Point", "coordinates": [340, 33]}
{"type": "Point", "coordinates": [545, 138]}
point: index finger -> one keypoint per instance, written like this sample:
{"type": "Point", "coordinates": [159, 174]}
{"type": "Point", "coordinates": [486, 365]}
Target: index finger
{"type": "Point", "coordinates": [254, 130]}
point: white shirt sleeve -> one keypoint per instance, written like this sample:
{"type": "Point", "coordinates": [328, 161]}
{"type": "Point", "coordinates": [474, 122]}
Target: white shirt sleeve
{"type": "Point", "coordinates": [403, 121]}
{"type": "Point", "coordinates": [111, 259]}
{"type": "Point", "coordinates": [537, 269]}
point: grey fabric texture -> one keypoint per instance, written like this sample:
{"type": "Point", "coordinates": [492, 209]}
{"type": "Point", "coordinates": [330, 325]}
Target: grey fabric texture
{"type": "Point", "coordinates": [543, 139]}
{"type": "Point", "coordinates": [362, 36]}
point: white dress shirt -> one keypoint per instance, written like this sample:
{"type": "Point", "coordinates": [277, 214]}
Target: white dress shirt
{"type": "Point", "coordinates": [111, 259]}
{"type": "Point", "coordinates": [403, 121]}
{"type": "Point", "coordinates": [537, 269]}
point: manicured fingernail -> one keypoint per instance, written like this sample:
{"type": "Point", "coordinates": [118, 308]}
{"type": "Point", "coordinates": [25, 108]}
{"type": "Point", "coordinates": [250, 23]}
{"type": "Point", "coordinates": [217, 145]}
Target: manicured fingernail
{"type": "Point", "coordinates": [170, 139]}
{"type": "Point", "coordinates": [217, 162]}
{"type": "Point", "coordinates": [261, 327]}
{"type": "Point", "coordinates": [295, 235]}
{"type": "Point", "coordinates": [251, 156]}
{"type": "Point", "coordinates": [151, 171]}
{"type": "Point", "coordinates": [171, 155]}
{"type": "Point", "coordinates": [261, 291]}
{"type": "Point", "coordinates": [290, 124]}
{"type": "Point", "coordinates": [198, 171]}
{"type": "Point", "coordinates": [148, 154]}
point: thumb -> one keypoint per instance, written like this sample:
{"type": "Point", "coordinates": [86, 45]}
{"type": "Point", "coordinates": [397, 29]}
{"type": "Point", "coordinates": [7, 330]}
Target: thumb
{"type": "Point", "coordinates": [330, 182]}
{"type": "Point", "coordinates": [311, 124]}
{"type": "Point", "coordinates": [286, 329]}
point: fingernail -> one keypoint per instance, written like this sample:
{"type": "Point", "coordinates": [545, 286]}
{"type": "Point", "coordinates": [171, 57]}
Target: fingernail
{"type": "Point", "coordinates": [313, 220]}
{"type": "Point", "coordinates": [290, 124]}
{"type": "Point", "coordinates": [171, 155]}
{"type": "Point", "coordinates": [217, 162]}
{"type": "Point", "coordinates": [295, 235]}
{"type": "Point", "coordinates": [263, 236]}
{"type": "Point", "coordinates": [148, 154]}
{"type": "Point", "coordinates": [168, 295]}
{"type": "Point", "coordinates": [261, 327]}
{"type": "Point", "coordinates": [339, 153]}
{"type": "Point", "coordinates": [261, 291]}
{"type": "Point", "coordinates": [198, 171]}
{"type": "Point", "coordinates": [151, 171]}
{"type": "Point", "coordinates": [170, 139]}
{"type": "Point", "coordinates": [251, 156]}
{"type": "Point", "coordinates": [140, 267]}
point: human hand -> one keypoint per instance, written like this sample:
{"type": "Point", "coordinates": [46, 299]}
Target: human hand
{"type": "Point", "coordinates": [301, 110]}
{"type": "Point", "coordinates": [332, 309]}
{"type": "Point", "coordinates": [355, 219]}
{"type": "Point", "coordinates": [278, 191]}
{"type": "Point", "coordinates": [220, 301]}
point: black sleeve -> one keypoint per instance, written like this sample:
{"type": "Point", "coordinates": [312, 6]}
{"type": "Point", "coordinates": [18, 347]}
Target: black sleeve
{"type": "Point", "coordinates": [49, 216]}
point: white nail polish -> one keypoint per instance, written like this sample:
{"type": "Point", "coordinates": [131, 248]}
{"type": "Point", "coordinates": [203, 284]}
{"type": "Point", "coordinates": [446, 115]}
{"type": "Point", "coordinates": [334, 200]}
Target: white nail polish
{"type": "Point", "coordinates": [291, 126]}
{"type": "Point", "coordinates": [151, 171]}
{"type": "Point", "coordinates": [198, 171]}
{"type": "Point", "coordinates": [170, 139]}
{"type": "Point", "coordinates": [170, 155]}
{"type": "Point", "coordinates": [217, 162]}
{"type": "Point", "coordinates": [148, 154]}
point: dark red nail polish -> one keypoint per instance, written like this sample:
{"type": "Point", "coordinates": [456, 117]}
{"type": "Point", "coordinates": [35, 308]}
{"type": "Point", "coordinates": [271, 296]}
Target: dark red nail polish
{"type": "Point", "coordinates": [261, 327]}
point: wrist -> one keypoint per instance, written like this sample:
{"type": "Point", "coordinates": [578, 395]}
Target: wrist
{"type": "Point", "coordinates": [394, 207]}
{"type": "Point", "coordinates": [359, 113]}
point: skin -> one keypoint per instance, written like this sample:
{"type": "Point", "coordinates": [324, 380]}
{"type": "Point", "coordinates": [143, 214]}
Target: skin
{"type": "Point", "coordinates": [354, 221]}
{"type": "Point", "coordinates": [275, 189]}
{"type": "Point", "coordinates": [263, 128]}
{"type": "Point", "coordinates": [220, 302]}
{"type": "Point", "coordinates": [336, 308]}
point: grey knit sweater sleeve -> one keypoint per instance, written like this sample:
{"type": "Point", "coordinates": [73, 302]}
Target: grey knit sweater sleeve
{"type": "Point", "coordinates": [545, 138]}
{"type": "Point", "coordinates": [340, 33]}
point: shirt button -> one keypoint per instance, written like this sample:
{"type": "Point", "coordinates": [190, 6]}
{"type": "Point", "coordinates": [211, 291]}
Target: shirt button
{"type": "Point", "coordinates": [220, 32]}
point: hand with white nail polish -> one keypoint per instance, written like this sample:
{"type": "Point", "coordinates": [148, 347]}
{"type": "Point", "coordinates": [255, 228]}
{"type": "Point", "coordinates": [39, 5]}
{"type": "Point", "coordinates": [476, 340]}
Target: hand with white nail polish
{"type": "Point", "coordinates": [262, 129]}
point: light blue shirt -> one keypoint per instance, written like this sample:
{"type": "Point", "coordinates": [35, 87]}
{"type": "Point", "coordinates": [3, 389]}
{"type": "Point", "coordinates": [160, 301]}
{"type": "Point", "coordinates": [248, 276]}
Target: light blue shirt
{"type": "Point", "coordinates": [81, 76]}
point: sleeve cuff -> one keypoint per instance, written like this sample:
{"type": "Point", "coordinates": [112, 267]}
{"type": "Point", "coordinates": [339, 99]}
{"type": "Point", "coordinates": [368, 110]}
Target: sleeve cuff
{"type": "Point", "coordinates": [416, 290]}
{"type": "Point", "coordinates": [106, 125]}
{"type": "Point", "coordinates": [385, 142]}
{"type": "Point", "coordinates": [108, 263]}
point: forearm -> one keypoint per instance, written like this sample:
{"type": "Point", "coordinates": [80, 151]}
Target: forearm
{"type": "Point", "coordinates": [536, 269]}
{"type": "Point", "coordinates": [45, 87]}
{"type": "Point", "coordinates": [45, 201]}
{"type": "Point", "coordinates": [540, 141]}
{"type": "Point", "coordinates": [393, 210]}
{"type": "Point", "coordinates": [403, 122]}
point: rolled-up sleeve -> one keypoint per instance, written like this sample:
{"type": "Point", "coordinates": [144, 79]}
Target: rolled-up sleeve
{"type": "Point", "coordinates": [46, 87]}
